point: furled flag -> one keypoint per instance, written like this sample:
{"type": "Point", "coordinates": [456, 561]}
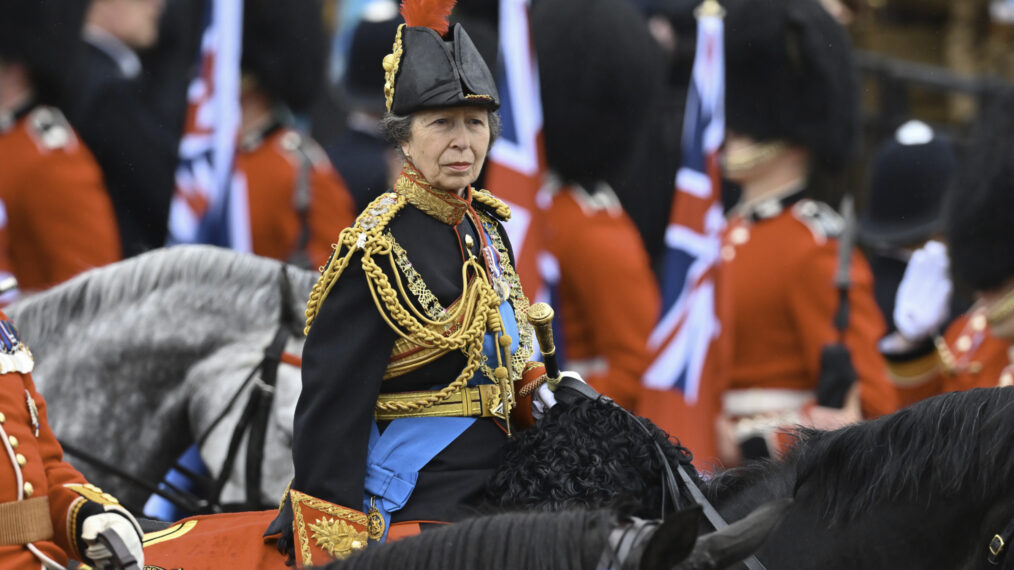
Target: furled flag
{"type": "Point", "coordinates": [208, 207]}
{"type": "Point", "coordinates": [517, 160]}
{"type": "Point", "coordinates": [682, 387]}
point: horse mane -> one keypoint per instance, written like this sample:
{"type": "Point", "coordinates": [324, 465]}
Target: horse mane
{"type": "Point", "coordinates": [588, 454]}
{"type": "Point", "coordinates": [120, 284]}
{"type": "Point", "coordinates": [565, 540]}
{"type": "Point", "coordinates": [952, 444]}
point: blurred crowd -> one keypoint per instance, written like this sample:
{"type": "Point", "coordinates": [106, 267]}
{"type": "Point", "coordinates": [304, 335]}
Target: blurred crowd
{"type": "Point", "coordinates": [97, 97]}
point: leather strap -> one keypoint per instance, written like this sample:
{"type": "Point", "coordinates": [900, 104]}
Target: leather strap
{"type": "Point", "coordinates": [22, 522]}
{"type": "Point", "coordinates": [470, 402]}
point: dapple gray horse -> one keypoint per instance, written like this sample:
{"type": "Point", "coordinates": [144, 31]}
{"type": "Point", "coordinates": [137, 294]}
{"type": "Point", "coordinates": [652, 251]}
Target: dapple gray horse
{"type": "Point", "coordinates": [136, 360]}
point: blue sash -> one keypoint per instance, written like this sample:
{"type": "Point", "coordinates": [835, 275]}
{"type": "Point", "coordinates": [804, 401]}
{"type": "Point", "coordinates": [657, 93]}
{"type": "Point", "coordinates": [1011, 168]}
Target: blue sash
{"type": "Point", "coordinates": [395, 457]}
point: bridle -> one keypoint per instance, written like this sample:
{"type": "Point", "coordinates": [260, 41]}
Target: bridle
{"type": "Point", "coordinates": [254, 420]}
{"type": "Point", "coordinates": [570, 390]}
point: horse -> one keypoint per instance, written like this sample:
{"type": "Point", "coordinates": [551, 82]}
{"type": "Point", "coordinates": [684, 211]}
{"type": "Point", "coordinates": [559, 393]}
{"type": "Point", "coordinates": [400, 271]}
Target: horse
{"type": "Point", "coordinates": [573, 540]}
{"type": "Point", "coordinates": [929, 486]}
{"type": "Point", "coordinates": [138, 360]}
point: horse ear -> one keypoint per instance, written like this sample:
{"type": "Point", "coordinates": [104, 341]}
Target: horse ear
{"type": "Point", "coordinates": [723, 548]}
{"type": "Point", "coordinates": [673, 541]}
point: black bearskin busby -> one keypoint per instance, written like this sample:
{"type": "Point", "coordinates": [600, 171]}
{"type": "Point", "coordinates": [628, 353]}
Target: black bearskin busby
{"type": "Point", "coordinates": [371, 41]}
{"type": "Point", "coordinates": [599, 71]}
{"type": "Point", "coordinates": [285, 47]}
{"type": "Point", "coordinates": [434, 64]}
{"type": "Point", "coordinates": [909, 180]}
{"type": "Point", "coordinates": [790, 76]}
{"type": "Point", "coordinates": [980, 225]}
{"type": "Point", "coordinates": [44, 35]}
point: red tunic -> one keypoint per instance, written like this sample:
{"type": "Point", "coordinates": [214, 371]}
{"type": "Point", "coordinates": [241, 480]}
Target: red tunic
{"type": "Point", "coordinates": [271, 167]}
{"type": "Point", "coordinates": [58, 212]}
{"type": "Point", "coordinates": [39, 459]}
{"type": "Point", "coordinates": [608, 296]}
{"type": "Point", "coordinates": [782, 268]}
{"type": "Point", "coordinates": [969, 356]}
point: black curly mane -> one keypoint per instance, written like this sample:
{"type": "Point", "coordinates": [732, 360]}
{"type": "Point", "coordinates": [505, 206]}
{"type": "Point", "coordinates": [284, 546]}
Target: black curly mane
{"type": "Point", "coordinates": [587, 454]}
{"type": "Point", "coordinates": [948, 446]}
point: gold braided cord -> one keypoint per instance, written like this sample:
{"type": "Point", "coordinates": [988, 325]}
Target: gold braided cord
{"type": "Point", "coordinates": [502, 210]}
{"type": "Point", "coordinates": [367, 230]}
{"type": "Point", "coordinates": [390, 65]}
{"type": "Point", "coordinates": [478, 297]}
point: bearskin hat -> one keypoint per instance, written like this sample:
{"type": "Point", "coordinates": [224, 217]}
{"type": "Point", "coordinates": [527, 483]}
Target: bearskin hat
{"type": "Point", "coordinates": [434, 64]}
{"type": "Point", "coordinates": [980, 227]}
{"type": "Point", "coordinates": [284, 47]}
{"type": "Point", "coordinates": [45, 36]}
{"type": "Point", "coordinates": [790, 76]}
{"type": "Point", "coordinates": [600, 71]}
{"type": "Point", "coordinates": [371, 41]}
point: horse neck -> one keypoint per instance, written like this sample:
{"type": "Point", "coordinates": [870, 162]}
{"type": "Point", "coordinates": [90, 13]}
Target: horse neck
{"type": "Point", "coordinates": [737, 492]}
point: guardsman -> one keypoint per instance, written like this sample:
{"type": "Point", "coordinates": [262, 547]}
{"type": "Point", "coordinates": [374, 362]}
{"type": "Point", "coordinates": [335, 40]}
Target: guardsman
{"type": "Point", "coordinates": [598, 86]}
{"type": "Point", "coordinates": [58, 214]}
{"type": "Point", "coordinates": [974, 352]}
{"type": "Point", "coordinates": [297, 202]}
{"type": "Point", "coordinates": [791, 117]}
{"type": "Point", "coordinates": [48, 511]}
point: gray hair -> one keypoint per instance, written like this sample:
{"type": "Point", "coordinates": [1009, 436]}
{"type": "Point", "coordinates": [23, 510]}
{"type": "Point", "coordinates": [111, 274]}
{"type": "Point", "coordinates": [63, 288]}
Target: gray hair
{"type": "Point", "coordinates": [398, 128]}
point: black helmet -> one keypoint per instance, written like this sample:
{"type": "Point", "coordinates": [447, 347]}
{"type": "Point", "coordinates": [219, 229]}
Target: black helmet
{"type": "Point", "coordinates": [790, 77]}
{"type": "Point", "coordinates": [432, 67]}
{"type": "Point", "coordinates": [909, 181]}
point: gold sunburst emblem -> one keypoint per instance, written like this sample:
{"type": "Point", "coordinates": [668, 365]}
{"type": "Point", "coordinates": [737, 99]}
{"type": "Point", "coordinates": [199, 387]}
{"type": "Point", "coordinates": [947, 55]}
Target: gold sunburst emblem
{"type": "Point", "coordinates": [337, 537]}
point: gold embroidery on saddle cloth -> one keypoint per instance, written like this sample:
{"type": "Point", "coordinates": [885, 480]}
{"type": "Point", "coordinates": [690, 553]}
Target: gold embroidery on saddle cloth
{"type": "Point", "coordinates": [332, 532]}
{"type": "Point", "coordinates": [337, 537]}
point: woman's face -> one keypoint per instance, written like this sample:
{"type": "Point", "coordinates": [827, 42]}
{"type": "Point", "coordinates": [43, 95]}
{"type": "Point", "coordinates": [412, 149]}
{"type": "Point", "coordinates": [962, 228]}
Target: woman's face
{"type": "Point", "coordinates": [448, 146]}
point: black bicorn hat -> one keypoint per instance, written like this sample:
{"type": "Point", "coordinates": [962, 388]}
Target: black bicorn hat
{"type": "Point", "coordinates": [600, 73]}
{"type": "Point", "coordinates": [44, 35]}
{"type": "Point", "coordinates": [980, 208]}
{"type": "Point", "coordinates": [427, 71]}
{"type": "Point", "coordinates": [911, 175]}
{"type": "Point", "coordinates": [791, 77]}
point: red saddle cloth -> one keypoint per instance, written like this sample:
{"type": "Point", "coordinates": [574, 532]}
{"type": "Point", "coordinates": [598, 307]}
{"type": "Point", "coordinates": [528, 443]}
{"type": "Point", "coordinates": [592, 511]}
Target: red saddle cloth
{"type": "Point", "coordinates": [227, 540]}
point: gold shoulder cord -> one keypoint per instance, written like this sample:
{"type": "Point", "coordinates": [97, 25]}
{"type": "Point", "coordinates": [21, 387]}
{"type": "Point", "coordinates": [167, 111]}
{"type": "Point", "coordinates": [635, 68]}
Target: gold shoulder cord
{"type": "Point", "coordinates": [477, 309]}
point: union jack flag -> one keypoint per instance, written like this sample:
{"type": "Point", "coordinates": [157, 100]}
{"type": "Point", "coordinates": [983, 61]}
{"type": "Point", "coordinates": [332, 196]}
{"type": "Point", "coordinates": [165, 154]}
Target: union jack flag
{"type": "Point", "coordinates": [208, 207]}
{"type": "Point", "coordinates": [517, 161]}
{"type": "Point", "coordinates": [689, 326]}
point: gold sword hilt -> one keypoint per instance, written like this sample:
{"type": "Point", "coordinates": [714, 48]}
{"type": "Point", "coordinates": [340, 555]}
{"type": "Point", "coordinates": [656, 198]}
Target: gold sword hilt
{"type": "Point", "coordinates": [540, 316]}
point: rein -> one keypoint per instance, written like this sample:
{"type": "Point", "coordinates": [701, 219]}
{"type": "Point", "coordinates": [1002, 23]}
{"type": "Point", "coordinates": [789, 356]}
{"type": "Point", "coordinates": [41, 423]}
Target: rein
{"type": "Point", "coordinates": [579, 389]}
{"type": "Point", "coordinates": [998, 544]}
{"type": "Point", "coordinates": [254, 419]}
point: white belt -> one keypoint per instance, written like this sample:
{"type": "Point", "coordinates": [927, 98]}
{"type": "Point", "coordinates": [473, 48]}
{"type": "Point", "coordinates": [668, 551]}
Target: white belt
{"type": "Point", "coordinates": [755, 401]}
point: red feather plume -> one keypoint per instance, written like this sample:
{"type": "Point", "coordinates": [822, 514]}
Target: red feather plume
{"type": "Point", "coordinates": [432, 14]}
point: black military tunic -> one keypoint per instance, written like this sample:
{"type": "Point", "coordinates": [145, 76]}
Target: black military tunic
{"type": "Point", "coordinates": [348, 350]}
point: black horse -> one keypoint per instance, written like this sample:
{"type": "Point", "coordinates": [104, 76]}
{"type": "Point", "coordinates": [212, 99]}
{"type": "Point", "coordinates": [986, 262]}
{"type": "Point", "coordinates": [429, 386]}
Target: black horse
{"type": "Point", "coordinates": [931, 486]}
{"type": "Point", "coordinates": [576, 539]}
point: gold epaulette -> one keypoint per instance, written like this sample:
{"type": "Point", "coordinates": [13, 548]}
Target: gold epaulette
{"type": "Point", "coordinates": [365, 234]}
{"type": "Point", "coordinates": [497, 206]}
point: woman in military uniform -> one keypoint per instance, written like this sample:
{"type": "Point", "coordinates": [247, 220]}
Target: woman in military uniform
{"type": "Point", "coordinates": [416, 330]}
